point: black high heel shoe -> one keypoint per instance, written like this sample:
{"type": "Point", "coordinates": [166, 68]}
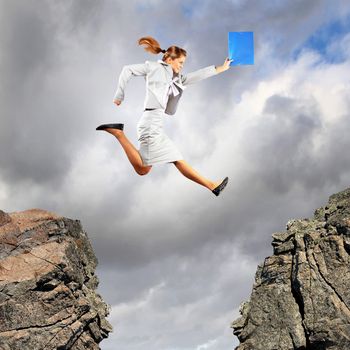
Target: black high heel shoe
{"type": "Point", "coordinates": [110, 126]}
{"type": "Point", "coordinates": [219, 188]}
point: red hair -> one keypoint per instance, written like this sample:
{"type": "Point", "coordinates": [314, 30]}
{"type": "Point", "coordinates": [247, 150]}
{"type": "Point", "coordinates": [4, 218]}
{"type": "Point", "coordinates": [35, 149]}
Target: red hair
{"type": "Point", "coordinates": [152, 46]}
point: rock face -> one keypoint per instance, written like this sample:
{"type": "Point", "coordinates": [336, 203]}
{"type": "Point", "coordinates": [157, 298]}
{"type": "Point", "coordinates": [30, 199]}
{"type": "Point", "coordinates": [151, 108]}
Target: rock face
{"type": "Point", "coordinates": [301, 294]}
{"type": "Point", "coordinates": [47, 284]}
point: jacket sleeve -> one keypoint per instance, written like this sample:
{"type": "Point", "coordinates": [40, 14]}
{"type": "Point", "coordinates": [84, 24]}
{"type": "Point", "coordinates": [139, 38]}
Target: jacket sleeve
{"type": "Point", "coordinates": [140, 69]}
{"type": "Point", "coordinates": [199, 75]}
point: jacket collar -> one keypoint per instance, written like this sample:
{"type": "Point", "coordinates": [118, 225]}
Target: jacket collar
{"type": "Point", "coordinates": [168, 68]}
{"type": "Point", "coordinates": [162, 62]}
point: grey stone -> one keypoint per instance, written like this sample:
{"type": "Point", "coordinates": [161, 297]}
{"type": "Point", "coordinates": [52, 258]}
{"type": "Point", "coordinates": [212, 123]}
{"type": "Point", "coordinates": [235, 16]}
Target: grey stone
{"type": "Point", "coordinates": [301, 295]}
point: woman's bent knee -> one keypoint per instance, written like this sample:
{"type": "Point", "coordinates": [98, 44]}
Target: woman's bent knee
{"type": "Point", "coordinates": [143, 171]}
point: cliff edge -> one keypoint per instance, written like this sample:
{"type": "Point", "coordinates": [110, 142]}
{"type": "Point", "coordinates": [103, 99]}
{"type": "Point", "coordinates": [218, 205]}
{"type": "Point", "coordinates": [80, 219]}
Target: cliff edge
{"type": "Point", "coordinates": [301, 295]}
{"type": "Point", "coordinates": [47, 284]}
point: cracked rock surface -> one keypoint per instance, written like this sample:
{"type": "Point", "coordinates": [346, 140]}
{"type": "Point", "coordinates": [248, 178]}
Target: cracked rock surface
{"type": "Point", "coordinates": [48, 296]}
{"type": "Point", "coordinates": [301, 295]}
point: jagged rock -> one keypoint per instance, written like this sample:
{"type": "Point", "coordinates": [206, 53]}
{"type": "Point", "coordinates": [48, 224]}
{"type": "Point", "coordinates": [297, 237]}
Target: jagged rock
{"type": "Point", "coordinates": [301, 295]}
{"type": "Point", "coordinates": [47, 284]}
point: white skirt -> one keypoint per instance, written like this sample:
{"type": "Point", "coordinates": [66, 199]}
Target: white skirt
{"type": "Point", "coordinates": [155, 146]}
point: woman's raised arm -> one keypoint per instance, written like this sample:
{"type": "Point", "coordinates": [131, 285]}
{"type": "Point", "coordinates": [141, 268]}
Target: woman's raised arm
{"type": "Point", "coordinates": [205, 73]}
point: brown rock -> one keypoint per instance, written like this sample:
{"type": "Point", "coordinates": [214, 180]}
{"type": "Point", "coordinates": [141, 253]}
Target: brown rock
{"type": "Point", "coordinates": [48, 296]}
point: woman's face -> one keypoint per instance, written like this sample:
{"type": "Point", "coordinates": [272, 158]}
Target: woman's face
{"type": "Point", "coordinates": [176, 63]}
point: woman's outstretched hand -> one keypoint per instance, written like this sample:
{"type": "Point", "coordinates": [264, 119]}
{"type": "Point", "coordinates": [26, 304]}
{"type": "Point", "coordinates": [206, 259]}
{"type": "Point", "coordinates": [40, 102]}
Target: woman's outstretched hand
{"type": "Point", "coordinates": [117, 102]}
{"type": "Point", "coordinates": [225, 66]}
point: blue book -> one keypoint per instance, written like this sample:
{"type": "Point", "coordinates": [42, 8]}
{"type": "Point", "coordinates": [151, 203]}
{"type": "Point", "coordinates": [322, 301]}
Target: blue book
{"type": "Point", "coordinates": [241, 48]}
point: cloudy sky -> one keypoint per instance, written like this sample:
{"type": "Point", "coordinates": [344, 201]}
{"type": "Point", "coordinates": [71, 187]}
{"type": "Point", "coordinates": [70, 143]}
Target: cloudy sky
{"type": "Point", "coordinates": [175, 261]}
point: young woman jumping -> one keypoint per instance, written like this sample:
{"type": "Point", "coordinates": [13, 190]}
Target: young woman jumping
{"type": "Point", "coordinates": [164, 87]}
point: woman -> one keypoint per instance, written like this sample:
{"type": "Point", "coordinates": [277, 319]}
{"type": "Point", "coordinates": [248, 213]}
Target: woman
{"type": "Point", "coordinates": [164, 87]}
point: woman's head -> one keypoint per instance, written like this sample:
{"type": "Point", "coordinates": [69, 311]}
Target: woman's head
{"type": "Point", "coordinates": [174, 55]}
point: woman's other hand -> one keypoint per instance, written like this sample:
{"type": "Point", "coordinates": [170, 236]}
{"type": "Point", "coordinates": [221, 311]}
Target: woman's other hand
{"type": "Point", "coordinates": [117, 102]}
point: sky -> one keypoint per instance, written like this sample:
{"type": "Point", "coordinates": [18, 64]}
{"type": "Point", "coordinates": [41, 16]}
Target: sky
{"type": "Point", "coordinates": [175, 261]}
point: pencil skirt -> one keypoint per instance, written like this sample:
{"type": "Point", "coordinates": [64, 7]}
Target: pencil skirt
{"type": "Point", "coordinates": [155, 146]}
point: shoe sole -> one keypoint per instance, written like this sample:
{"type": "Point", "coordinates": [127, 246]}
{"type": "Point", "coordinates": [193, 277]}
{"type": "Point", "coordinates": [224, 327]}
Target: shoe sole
{"type": "Point", "coordinates": [110, 126]}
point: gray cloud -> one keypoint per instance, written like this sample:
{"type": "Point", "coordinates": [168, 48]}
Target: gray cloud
{"type": "Point", "coordinates": [174, 261]}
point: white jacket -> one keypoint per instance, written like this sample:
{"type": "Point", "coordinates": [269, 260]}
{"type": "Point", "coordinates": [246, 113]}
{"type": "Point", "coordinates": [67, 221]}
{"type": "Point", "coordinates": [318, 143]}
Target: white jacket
{"type": "Point", "coordinates": [163, 89]}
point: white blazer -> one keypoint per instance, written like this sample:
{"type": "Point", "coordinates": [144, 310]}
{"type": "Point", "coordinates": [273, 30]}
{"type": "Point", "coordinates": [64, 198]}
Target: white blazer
{"type": "Point", "coordinates": [163, 89]}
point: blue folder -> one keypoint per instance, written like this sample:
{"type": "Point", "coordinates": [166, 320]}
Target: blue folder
{"type": "Point", "coordinates": [241, 48]}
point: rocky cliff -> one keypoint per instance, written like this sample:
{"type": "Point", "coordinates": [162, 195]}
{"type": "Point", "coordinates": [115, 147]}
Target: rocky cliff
{"type": "Point", "coordinates": [301, 294]}
{"type": "Point", "coordinates": [47, 284]}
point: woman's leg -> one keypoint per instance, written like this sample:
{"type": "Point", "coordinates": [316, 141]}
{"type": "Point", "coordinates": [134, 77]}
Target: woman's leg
{"type": "Point", "coordinates": [131, 152]}
{"type": "Point", "coordinates": [193, 175]}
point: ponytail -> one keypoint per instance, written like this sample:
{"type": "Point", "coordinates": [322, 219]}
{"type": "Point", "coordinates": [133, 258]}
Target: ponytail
{"type": "Point", "coordinates": [152, 46]}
